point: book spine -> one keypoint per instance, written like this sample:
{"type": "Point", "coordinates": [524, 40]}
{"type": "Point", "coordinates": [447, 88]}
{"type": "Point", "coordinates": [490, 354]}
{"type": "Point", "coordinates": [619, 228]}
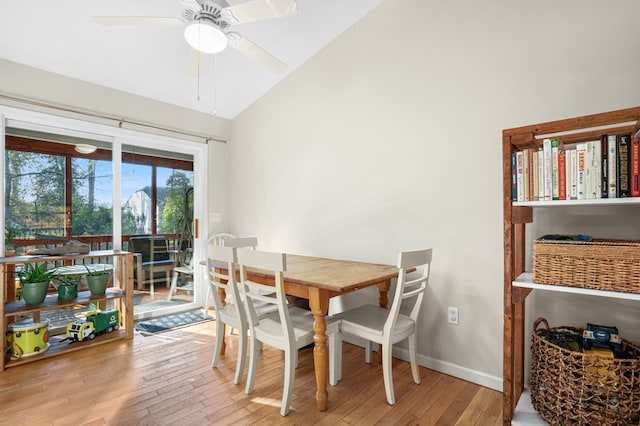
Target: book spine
{"type": "Point", "coordinates": [535, 170]}
{"type": "Point", "coordinates": [514, 181]}
{"type": "Point", "coordinates": [580, 172]}
{"type": "Point", "coordinates": [604, 168]}
{"type": "Point", "coordinates": [612, 162]}
{"type": "Point", "coordinates": [588, 173]}
{"type": "Point", "coordinates": [555, 182]}
{"type": "Point", "coordinates": [573, 174]}
{"type": "Point", "coordinates": [635, 165]}
{"type": "Point", "coordinates": [525, 174]}
{"type": "Point", "coordinates": [624, 143]}
{"type": "Point", "coordinates": [596, 169]}
{"type": "Point", "coordinates": [562, 175]}
{"type": "Point", "coordinates": [520, 176]}
{"type": "Point", "coordinates": [540, 174]}
{"type": "Point", "coordinates": [546, 148]}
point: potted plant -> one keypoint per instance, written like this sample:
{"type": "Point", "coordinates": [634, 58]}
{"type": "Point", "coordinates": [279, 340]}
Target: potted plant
{"type": "Point", "coordinates": [68, 285]}
{"type": "Point", "coordinates": [34, 281]}
{"type": "Point", "coordinates": [97, 280]}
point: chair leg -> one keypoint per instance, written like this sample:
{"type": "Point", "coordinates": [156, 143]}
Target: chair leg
{"type": "Point", "coordinates": [290, 359]}
{"type": "Point", "coordinates": [220, 332]}
{"type": "Point", "coordinates": [368, 348]}
{"type": "Point", "coordinates": [174, 283]}
{"type": "Point", "coordinates": [242, 354]}
{"type": "Point", "coordinates": [387, 373]}
{"type": "Point", "coordinates": [206, 302]}
{"type": "Point", "coordinates": [335, 358]}
{"type": "Point", "coordinates": [413, 343]}
{"type": "Point", "coordinates": [254, 349]}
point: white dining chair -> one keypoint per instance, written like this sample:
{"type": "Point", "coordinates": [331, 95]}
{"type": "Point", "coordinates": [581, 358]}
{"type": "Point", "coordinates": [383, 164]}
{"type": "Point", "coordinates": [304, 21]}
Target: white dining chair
{"type": "Point", "coordinates": [230, 312]}
{"type": "Point", "coordinates": [214, 240]}
{"type": "Point", "coordinates": [389, 326]}
{"type": "Point", "coordinates": [288, 329]}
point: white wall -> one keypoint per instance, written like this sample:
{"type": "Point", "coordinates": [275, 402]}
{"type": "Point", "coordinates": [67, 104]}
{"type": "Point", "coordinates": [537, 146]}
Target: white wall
{"type": "Point", "coordinates": [390, 139]}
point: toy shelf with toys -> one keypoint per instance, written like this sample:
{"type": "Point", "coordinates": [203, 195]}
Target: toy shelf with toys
{"type": "Point", "coordinates": [26, 326]}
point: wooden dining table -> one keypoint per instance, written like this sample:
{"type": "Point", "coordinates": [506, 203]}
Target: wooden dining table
{"type": "Point", "coordinates": [319, 279]}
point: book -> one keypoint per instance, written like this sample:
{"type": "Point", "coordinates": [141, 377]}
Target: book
{"type": "Point", "coordinates": [562, 175]}
{"type": "Point", "coordinates": [540, 174]}
{"type": "Point", "coordinates": [514, 171]}
{"type": "Point", "coordinates": [623, 170]}
{"type": "Point", "coordinates": [580, 171]}
{"type": "Point", "coordinates": [612, 162]}
{"type": "Point", "coordinates": [593, 160]}
{"type": "Point", "coordinates": [635, 165]}
{"type": "Point", "coordinates": [555, 182]}
{"type": "Point", "coordinates": [546, 149]}
{"type": "Point", "coordinates": [534, 169]}
{"type": "Point", "coordinates": [604, 168]}
{"type": "Point", "coordinates": [525, 174]}
{"type": "Point", "coordinates": [573, 174]}
{"type": "Point", "coordinates": [519, 176]}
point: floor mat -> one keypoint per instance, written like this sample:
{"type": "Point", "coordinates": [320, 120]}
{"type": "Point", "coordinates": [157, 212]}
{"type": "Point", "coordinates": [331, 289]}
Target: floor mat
{"type": "Point", "coordinates": [158, 325]}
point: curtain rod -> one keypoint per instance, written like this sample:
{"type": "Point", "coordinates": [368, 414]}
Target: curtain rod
{"type": "Point", "coordinates": [119, 120]}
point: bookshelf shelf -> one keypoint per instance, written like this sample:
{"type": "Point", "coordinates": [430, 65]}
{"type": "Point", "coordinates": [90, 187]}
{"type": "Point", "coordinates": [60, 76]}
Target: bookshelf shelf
{"type": "Point", "coordinates": [518, 283]}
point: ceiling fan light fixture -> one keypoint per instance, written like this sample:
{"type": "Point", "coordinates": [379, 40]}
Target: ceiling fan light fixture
{"type": "Point", "coordinates": [84, 148]}
{"type": "Point", "coordinates": [205, 37]}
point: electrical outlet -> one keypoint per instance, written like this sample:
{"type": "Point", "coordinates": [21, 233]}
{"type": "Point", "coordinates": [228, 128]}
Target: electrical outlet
{"type": "Point", "coordinates": [452, 315]}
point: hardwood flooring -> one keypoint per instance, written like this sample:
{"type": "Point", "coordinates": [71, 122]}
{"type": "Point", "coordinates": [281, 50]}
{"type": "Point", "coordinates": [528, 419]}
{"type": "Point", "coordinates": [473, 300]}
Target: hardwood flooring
{"type": "Point", "coordinates": [166, 379]}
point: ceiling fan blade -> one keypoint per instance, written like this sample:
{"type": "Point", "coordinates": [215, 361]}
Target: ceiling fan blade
{"type": "Point", "coordinates": [256, 10]}
{"type": "Point", "coordinates": [191, 4]}
{"type": "Point", "coordinates": [136, 20]}
{"type": "Point", "coordinates": [256, 53]}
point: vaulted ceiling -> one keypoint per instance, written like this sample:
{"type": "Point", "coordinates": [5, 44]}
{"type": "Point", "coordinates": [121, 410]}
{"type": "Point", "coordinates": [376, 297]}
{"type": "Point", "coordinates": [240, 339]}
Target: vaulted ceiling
{"type": "Point", "coordinates": [155, 61]}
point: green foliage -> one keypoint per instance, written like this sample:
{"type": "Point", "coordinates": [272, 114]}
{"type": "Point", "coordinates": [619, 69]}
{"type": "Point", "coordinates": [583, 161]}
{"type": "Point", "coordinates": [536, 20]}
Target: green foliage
{"type": "Point", "coordinates": [95, 272]}
{"type": "Point", "coordinates": [173, 210]}
{"type": "Point", "coordinates": [35, 273]}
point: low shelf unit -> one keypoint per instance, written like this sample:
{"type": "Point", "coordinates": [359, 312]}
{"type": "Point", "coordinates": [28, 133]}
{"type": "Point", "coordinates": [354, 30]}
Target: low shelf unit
{"type": "Point", "coordinates": [119, 295]}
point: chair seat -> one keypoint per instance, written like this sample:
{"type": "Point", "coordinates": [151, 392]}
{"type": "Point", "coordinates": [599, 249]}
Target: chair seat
{"type": "Point", "coordinates": [183, 269]}
{"type": "Point", "coordinates": [370, 319]}
{"type": "Point", "coordinates": [271, 331]}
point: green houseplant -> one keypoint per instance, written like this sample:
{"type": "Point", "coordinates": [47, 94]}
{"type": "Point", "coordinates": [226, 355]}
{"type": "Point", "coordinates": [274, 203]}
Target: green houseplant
{"type": "Point", "coordinates": [97, 280]}
{"type": "Point", "coordinates": [68, 285]}
{"type": "Point", "coordinates": [34, 281]}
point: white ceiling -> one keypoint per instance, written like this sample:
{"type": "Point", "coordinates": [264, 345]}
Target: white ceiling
{"type": "Point", "coordinates": [155, 61]}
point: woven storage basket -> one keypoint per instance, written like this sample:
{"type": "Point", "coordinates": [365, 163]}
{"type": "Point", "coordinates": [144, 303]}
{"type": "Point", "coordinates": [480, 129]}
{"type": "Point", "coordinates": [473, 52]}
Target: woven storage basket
{"type": "Point", "coordinates": [599, 264]}
{"type": "Point", "coordinates": [574, 388]}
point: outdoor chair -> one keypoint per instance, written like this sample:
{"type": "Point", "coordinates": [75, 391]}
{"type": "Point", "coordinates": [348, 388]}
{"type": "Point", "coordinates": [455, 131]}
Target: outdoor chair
{"type": "Point", "coordinates": [152, 255]}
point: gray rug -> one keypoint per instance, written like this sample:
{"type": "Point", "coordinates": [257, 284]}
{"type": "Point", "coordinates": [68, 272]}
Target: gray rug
{"type": "Point", "coordinates": [170, 322]}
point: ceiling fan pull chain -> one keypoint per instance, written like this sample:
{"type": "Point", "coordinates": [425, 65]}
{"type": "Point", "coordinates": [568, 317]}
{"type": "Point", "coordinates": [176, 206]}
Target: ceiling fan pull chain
{"type": "Point", "coordinates": [215, 84]}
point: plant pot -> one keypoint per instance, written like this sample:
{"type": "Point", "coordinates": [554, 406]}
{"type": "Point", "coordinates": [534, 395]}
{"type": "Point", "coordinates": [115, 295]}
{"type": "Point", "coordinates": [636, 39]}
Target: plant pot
{"type": "Point", "coordinates": [97, 283]}
{"type": "Point", "coordinates": [34, 293]}
{"type": "Point", "coordinates": [67, 291]}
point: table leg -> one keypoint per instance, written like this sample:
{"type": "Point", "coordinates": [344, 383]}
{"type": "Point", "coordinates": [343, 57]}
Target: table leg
{"type": "Point", "coordinates": [383, 293]}
{"type": "Point", "coordinates": [319, 304]}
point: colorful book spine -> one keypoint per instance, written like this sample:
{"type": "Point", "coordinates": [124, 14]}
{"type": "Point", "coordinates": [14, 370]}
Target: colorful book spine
{"type": "Point", "coordinates": [624, 157]}
{"type": "Point", "coordinates": [514, 182]}
{"type": "Point", "coordinates": [555, 181]}
{"type": "Point", "coordinates": [548, 168]}
{"type": "Point", "coordinates": [580, 171]}
{"type": "Point", "coordinates": [635, 165]}
{"type": "Point", "coordinates": [612, 162]}
{"type": "Point", "coordinates": [525, 174]}
{"type": "Point", "coordinates": [562, 175]}
{"type": "Point", "coordinates": [520, 176]}
{"type": "Point", "coordinates": [540, 174]}
{"type": "Point", "coordinates": [604, 168]}
{"type": "Point", "coordinates": [535, 170]}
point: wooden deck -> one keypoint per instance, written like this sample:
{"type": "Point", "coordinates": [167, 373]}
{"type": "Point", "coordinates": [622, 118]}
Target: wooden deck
{"type": "Point", "coordinates": [166, 379]}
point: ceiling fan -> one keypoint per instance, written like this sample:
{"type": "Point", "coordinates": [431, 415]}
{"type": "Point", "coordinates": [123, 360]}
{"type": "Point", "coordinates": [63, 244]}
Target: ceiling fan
{"type": "Point", "coordinates": [209, 22]}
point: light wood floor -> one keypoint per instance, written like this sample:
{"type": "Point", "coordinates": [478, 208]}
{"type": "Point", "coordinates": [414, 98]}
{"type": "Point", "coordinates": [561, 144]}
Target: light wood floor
{"type": "Point", "coordinates": [165, 379]}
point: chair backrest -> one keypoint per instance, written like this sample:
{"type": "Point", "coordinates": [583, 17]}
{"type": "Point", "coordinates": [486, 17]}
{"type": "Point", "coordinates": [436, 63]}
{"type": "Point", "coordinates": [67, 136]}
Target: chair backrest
{"type": "Point", "coordinates": [410, 288]}
{"type": "Point", "coordinates": [241, 242]}
{"type": "Point", "coordinates": [224, 280]}
{"type": "Point", "coordinates": [151, 247]}
{"type": "Point", "coordinates": [218, 239]}
{"type": "Point", "coordinates": [254, 292]}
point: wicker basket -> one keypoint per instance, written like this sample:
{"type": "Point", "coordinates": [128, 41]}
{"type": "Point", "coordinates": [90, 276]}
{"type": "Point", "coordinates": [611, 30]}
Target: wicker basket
{"type": "Point", "coordinates": [574, 388]}
{"type": "Point", "coordinates": [599, 264]}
